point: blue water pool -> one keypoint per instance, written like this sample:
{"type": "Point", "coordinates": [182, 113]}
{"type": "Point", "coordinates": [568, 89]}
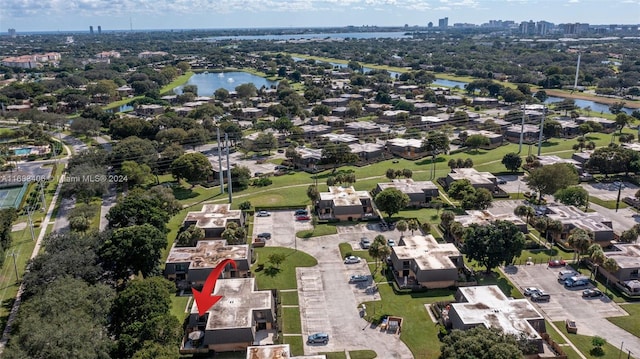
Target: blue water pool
{"type": "Point", "coordinates": [22, 151]}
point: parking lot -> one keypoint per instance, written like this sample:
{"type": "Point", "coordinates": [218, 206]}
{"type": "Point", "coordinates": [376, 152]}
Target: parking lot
{"type": "Point", "coordinates": [327, 301]}
{"type": "Point", "coordinates": [588, 313]}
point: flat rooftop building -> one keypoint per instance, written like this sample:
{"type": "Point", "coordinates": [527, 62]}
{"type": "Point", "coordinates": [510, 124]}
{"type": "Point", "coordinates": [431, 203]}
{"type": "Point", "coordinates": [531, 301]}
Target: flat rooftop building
{"type": "Point", "coordinates": [420, 192]}
{"type": "Point", "coordinates": [571, 217]}
{"type": "Point", "coordinates": [489, 307]}
{"type": "Point", "coordinates": [279, 351]}
{"type": "Point", "coordinates": [213, 219]}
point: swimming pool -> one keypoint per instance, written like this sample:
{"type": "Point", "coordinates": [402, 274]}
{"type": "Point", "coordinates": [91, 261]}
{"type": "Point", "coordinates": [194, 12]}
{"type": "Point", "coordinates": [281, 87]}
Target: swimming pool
{"type": "Point", "coordinates": [22, 151]}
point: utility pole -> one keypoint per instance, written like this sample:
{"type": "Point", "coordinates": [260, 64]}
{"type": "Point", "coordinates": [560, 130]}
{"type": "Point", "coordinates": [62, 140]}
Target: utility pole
{"type": "Point", "coordinates": [544, 115]}
{"type": "Point", "coordinates": [221, 175]}
{"type": "Point", "coordinates": [229, 189]}
{"type": "Point", "coordinates": [42, 197]}
{"type": "Point", "coordinates": [521, 130]}
{"type": "Point", "coordinates": [15, 266]}
{"type": "Point", "coordinates": [30, 222]}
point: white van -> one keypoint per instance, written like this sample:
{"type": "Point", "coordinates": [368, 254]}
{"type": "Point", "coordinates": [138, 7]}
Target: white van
{"type": "Point", "coordinates": [566, 274]}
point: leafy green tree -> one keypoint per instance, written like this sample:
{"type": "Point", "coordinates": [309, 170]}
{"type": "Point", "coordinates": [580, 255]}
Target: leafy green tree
{"type": "Point", "coordinates": [136, 208]}
{"type": "Point", "coordinates": [493, 244]}
{"type": "Point", "coordinates": [190, 236]}
{"type": "Point", "coordinates": [134, 149]}
{"type": "Point", "coordinates": [412, 225]}
{"type": "Point", "coordinates": [221, 94]}
{"type": "Point", "coordinates": [402, 226]}
{"type": "Point", "coordinates": [572, 196]}
{"type": "Point", "coordinates": [550, 179]}
{"type": "Point", "coordinates": [136, 174]}
{"type": "Point", "coordinates": [66, 319]}
{"type": "Point", "coordinates": [245, 206]}
{"type": "Point", "coordinates": [265, 142]}
{"type": "Point", "coordinates": [141, 313]}
{"type": "Point", "coordinates": [379, 249]}
{"type": "Point", "coordinates": [391, 201]}
{"type": "Point", "coordinates": [240, 176]}
{"type": "Point", "coordinates": [580, 240]}
{"type": "Point", "coordinates": [524, 211]}
{"type": "Point", "coordinates": [338, 154]}
{"type": "Point", "coordinates": [480, 198]}
{"type": "Point", "coordinates": [460, 188]}
{"type": "Point", "coordinates": [154, 350]}
{"type": "Point", "coordinates": [551, 128]}
{"type": "Point", "coordinates": [84, 182]}
{"type": "Point", "coordinates": [391, 173]}
{"type": "Point", "coordinates": [276, 259]}
{"type": "Point", "coordinates": [512, 161]}
{"type": "Point", "coordinates": [313, 193]}
{"type": "Point", "coordinates": [247, 90]}
{"type": "Point", "coordinates": [477, 141]}
{"type": "Point", "coordinates": [132, 250]}
{"type": "Point", "coordinates": [193, 167]}
{"type": "Point", "coordinates": [481, 343]}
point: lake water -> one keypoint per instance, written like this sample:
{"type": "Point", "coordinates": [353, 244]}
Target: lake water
{"type": "Point", "coordinates": [596, 107]}
{"type": "Point", "coordinates": [209, 82]}
{"type": "Point", "coordinates": [322, 35]}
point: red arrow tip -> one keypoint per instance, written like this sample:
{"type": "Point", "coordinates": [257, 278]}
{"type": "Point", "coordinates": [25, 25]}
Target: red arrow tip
{"type": "Point", "coordinates": [205, 301]}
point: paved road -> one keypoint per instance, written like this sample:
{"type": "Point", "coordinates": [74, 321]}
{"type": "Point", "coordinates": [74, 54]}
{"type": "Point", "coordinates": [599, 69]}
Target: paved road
{"type": "Point", "coordinates": [61, 223]}
{"type": "Point", "coordinates": [328, 302]}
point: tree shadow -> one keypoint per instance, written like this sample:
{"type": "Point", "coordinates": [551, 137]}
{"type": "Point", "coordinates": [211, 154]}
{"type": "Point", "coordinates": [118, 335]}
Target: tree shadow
{"type": "Point", "coordinates": [272, 271]}
{"type": "Point", "coordinates": [549, 143]}
{"type": "Point", "coordinates": [182, 193]}
{"type": "Point", "coordinates": [428, 160]}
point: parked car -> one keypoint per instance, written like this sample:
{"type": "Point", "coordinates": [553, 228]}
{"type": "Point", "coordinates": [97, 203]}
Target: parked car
{"type": "Point", "coordinates": [557, 263]}
{"type": "Point", "coordinates": [566, 274]}
{"type": "Point", "coordinates": [531, 290]}
{"type": "Point", "coordinates": [303, 217]}
{"type": "Point", "coordinates": [591, 293]}
{"type": "Point", "coordinates": [358, 278]}
{"type": "Point", "coordinates": [571, 326]}
{"type": "Point", "coordinates": [318, 338]}
{"type": "Point", "coordinates": [301, 212]}
{"type": "Point", "coordinates": [365, 243]}
{"type": "Point", "coordinates": [391, 242]}
{"type": "Point", "coordinates": [502, 181]}
{"type": "Point", "coordinates": [265, 235]}
{"type": "Point", "coordinates": [352, 260]}
{"type": "Point", "coordinates": [577, 281]}
{"type": "Point", "coordinates": [263, 214]}
{"type": "Point", "coordinates": [540, 297]}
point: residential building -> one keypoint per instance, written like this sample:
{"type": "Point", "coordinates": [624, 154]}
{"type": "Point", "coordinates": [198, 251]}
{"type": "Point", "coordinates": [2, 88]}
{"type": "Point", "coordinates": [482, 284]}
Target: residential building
{"type": "Point", "coordinates": [422, 261]}
{"type": "Point", "coordinates": [607, 125]}
{"type": "Point", "coordinates": [149, 110]}
{"type": "Point", "coordinates": [148, 54]}
{"type": "Point", "coordinates": [108, 54]}
{"type": "Point", "coordinates": [443, 23]}
{"type": "Point", "coordinates": [485, 217]}
{"type": "Point", "coordinates": [308, 159]}
{"type": "Point", "coordinates": [338, 138]}
{"type": "Point", "coordinates": [368, 152]}
{"type": "Point", "coordinates": [420, 192]}
{"type": "Point", "coordinates": [477, 179]}
{"type": "Point", "coordinates": [346, 204]}
{"type": "Point", "coordinates": [313, 131]}
{"type": "Point", "coordinates": [409, 148]}
{"type": "Point", "coordinates": [627, 256]}
{"type": "Point", "coordinates": [190, 266]}
{"type": "Point", "coordinates": [239, 320]}
{"type": "Point", "coordinates": [593, 222]}
{"type": "Point", "coordinates": [213, 219]}
{"type": "Point", "coordinates": [530, 133]}
{"type": "Point", "coordinates": [495, 139]}
{"type": "Point", "coordinates": [362, 128]}
{"type": "Point", "coordinates": [487, 306]}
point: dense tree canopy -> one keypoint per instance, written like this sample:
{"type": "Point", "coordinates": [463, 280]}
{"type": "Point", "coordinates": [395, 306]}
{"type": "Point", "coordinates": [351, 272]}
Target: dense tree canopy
{"type": "Point", "coordinates": [482, 343]}
{"type": "Point", "coordinates": [391, 201]}
{"type": "Point", "coordinates": [493, 244]}
{"type": "Point", "coordinates": [549, 179]}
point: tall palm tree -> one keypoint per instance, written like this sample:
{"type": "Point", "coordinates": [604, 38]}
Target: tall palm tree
{"type": "Point", "coordinates": [554, 228]}
{"type": "Point", "coordinates": [579, 240]}
{"type": "Point", "coordinates": [524, 211]}
{"type": "Point", "coordinates": [376, 247]}
{"type": "Point", "coordinates": [413, 225]}
{"type": "Point", "coordinates": [402, 226]}
{"type": "Point", "coordinates": [611, 266]}
{"type": "Point", "coordinates": [596, 254]}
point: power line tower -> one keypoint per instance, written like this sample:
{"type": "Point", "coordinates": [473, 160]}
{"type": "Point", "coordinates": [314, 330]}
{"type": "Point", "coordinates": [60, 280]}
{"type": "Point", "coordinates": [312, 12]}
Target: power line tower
{"type": "Point", "coordinates": [30, 222]}
{"type": "Point", "coordinates": [15, 266]}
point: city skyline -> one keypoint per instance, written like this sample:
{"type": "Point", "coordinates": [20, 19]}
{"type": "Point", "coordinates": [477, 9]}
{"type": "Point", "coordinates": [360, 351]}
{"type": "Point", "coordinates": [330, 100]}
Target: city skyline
{"type": "Point", "coordinates": [29, 15]}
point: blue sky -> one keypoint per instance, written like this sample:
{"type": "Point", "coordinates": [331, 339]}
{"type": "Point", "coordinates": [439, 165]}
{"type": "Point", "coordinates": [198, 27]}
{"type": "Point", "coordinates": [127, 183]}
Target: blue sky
{"type": "Point", "coordinates": [70, 15]}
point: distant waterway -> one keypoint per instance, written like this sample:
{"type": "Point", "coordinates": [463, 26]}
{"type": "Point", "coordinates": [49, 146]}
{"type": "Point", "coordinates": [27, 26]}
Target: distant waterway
{"type": "Point", "coordinates": [322, 35]}
{"type": "Point", "coordinates": [209, 82]}
{"type": "Point", "coordinates": [596, 107]}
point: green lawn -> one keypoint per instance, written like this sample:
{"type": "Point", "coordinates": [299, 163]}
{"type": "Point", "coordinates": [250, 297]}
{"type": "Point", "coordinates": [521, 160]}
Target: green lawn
{"type": "Point", "coordinates": [318, 231]}
{"type": "Point", "coordinates": [178, 305]}
{"type": "Point", "coordinates": [362, 354]}
{"type": "Point", "coordinates": [346, 250]}
{"type": "Point", "coordinates": [291, 321]}
{"type": "Point", "coordinates": [583, 343]}
{"type": "Point", "coordinates": [289, 298]}
{"type": "Point", "coordinates": [630, 323]}
{"type": "Point", "coordinates": [335, 355]}
{"type": "Point", "coordinates": [270, 277]}
{"type": "Point", "coordinates": [295, 344]}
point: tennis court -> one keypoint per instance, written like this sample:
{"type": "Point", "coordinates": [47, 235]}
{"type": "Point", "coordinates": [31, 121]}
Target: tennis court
{"type": "Point", "coordinates": [12, 196]}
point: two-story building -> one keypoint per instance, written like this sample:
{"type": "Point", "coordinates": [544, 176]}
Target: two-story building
{"type": "Point", "coordinates": [346, 204]}
{"type": "Point", "coordinates": [213, 219]}
{"type": "Point", "coordinates": [420, 193]}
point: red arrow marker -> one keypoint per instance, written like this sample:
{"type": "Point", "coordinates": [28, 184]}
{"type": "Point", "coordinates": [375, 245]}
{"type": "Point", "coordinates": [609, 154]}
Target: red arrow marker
{"type": "Point", "coordinates": [204, 299]}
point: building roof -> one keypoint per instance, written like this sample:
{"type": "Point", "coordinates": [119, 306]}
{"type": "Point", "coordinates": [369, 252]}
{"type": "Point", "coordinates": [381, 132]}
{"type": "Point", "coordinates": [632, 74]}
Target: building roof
{"type": "Point", "coordinates": [486, 217]}
{"type": "Point", "coordinates": [365, 147]}
{"type": "Point", "coordinates": [366, 125]}
{"type": "Point", "coordinates": [553, 159]}
{"type": "Point", "coordinates": [213, 216]}
{"type": "Point", "coordinates": [627, 255]}
{"type": "Point", "coordinates": [527, 128]}
{"type": "Point", "coordinates": [487, 305]}
{"type": "Point", "coordinates": [207, 254]}
{"type": "Point", "coordinates": [427, 252]}
{"type": "Point", "coordinates": [340, 137]}
{"type": "Point", "coordinates": [239, 300]}
{"type": "Point", "coordinates": [591, 221]}
{"type": "Point", "coordinates": [278, 351]}
{"type": "Point", "coordinates": [315, 128]}
{"type": "Point", "coordinates": [485, 133]}
{"type": "Point", "coordinates": [408, 185]}
{"type": "Point", "coordinates": [306, 153]}
{"type": "Point", "coordinates": [344, 196]}
{"type": "Point", "coordinates": [474, 177]}
{"type": "Point", "coordinates": [405, 142]}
